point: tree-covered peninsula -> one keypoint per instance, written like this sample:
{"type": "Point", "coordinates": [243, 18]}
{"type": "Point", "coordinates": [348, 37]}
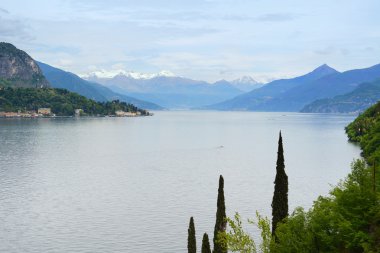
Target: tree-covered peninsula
{"type": "Point", "coordinates": [60, 101]}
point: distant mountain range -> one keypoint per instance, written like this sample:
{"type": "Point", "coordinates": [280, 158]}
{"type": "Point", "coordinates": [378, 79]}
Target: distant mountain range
{"type": "Point", "coordinates": [295, 93]}
{"type": "Point", "coordinates": [364, 96]}
{"type": "Point", "coordinates": [121, 72]}
{"type": "Point", "coordinates": [66, 80]}
{"type": "Point", "coordinates": [322, 90]}
{"type": "Point", "coordinates": [163, 88]}
{"type": "Point", "coordinates": [171, 91]}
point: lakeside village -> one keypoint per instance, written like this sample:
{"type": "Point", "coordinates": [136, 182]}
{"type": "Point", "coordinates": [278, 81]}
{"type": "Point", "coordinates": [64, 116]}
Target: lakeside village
{"type": "Point", "coordinates": [47, 113]}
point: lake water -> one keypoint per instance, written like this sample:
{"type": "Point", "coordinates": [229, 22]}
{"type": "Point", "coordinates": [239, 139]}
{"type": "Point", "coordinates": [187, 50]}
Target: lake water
{"type": "Point", "coordinates": [131, 184]}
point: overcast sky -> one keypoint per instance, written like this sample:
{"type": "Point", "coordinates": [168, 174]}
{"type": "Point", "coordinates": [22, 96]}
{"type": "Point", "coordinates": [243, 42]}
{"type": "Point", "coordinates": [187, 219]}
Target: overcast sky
{"type": "Point", "coordinates": [200, 39]}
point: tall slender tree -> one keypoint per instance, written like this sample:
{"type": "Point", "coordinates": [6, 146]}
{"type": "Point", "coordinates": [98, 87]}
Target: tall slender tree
{"type": "Point", "coordinates": [280, 196]}
{"type": "Point", "coordinates": [221, 222]}
{"type": "Point", "coordinates": [206, 244]}
{"type": "Point", "coordinates": [191, 241]}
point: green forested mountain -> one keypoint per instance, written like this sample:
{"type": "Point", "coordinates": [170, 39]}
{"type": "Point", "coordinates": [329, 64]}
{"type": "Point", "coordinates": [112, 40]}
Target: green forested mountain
{"type": "Point", "coordinates": [365, 95]}
{"type": "Point", "coordinates": [61, 102]}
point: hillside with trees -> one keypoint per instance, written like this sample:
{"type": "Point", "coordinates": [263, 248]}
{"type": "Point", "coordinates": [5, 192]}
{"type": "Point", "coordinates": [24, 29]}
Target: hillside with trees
{"type": "Point", "coordinates": [365, 130]}
{"type": "Point", "coordinates": [365, 95]}
{"type": "Point", "coordinates": [61, 102]}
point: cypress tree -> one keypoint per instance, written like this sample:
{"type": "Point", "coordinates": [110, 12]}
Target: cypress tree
{"type": "Point", "coordinates": [220, 224]}
{"type": "Point", "coordinates": [280, 196]}
{"type": "Point", "coordinates": [206, 244]}
{"type": "Point", "coordinates": [191, 241]}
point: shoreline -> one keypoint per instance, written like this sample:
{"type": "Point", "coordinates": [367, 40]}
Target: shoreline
{"type": "Point", "coordinates": [77, 117]}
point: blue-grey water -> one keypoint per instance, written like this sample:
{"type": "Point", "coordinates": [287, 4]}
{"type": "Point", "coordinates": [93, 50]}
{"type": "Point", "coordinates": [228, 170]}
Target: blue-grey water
{"type": "Point", "coordinates": [131, 184]}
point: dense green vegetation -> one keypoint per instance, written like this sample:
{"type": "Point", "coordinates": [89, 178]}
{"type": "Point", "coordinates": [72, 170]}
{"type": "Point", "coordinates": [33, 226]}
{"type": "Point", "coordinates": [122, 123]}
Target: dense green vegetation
{"type": "Point", "coordinates": [34, 81]}
{"type": "Point", "coordinates": [61, 102]}
{"type": "Point", "coordinates": [345, 221]}
{"type": "Point", "coordinates": [365, 130]}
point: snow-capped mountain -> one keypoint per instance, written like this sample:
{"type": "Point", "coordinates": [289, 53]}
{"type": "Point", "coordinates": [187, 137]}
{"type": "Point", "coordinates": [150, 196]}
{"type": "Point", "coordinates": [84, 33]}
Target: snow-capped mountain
{"type": "Point", "coordinates": [131, 74]}
{"type": "Point", "coordinates": [165, 88]}
{"type": "Point", "coordinates": [246, 83]}
{"type": "Point", "coordinates": [244, 79]}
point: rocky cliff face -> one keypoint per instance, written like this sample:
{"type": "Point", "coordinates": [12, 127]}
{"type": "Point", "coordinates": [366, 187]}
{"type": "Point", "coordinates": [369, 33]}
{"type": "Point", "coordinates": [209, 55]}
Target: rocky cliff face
{"type": "Point", "coordinates": [18, 69]}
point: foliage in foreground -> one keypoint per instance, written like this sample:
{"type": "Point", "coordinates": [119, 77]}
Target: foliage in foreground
{"type": "Point", "coordinates": [238, 240]}
{"type": "Point", "coordinates": [365, 130]}
{"type": "Point", "coordinates": [61, 102]}
{"type": "Point", "coordinates": [347, 220]}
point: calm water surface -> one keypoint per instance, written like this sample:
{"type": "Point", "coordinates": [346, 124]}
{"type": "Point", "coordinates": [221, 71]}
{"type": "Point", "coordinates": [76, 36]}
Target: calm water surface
{"type": "Point", "coordinates": [131, 184]}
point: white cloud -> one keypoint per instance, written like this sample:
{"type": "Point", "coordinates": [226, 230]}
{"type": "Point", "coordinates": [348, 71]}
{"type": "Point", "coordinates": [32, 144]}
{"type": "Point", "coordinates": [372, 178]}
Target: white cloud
{"type": "Point", "coordinates": [12, 28]}
{"type": "Point", "coordinates": [200, 39]}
